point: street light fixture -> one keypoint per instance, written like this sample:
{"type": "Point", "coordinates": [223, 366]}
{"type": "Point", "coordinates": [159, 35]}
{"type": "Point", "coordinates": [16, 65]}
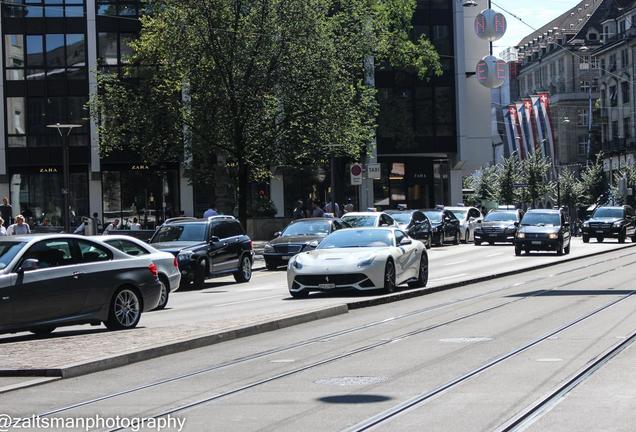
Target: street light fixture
{"type": "Point", "coordinates": [65, 167]}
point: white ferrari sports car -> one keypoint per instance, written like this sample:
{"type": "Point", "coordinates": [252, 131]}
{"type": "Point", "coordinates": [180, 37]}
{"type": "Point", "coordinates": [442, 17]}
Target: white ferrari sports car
{"type": "Point", "coordinates": [362, 259]}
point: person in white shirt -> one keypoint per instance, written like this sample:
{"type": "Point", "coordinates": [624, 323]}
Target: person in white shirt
{"type": "Point", "coordinates": [113, 226]}
{"type": "Point", "coordinates": [135, 225]}
{"type": "Point", "coordinates": [19, 227]}
{"type": "Point", "coordinates": [3, 230]}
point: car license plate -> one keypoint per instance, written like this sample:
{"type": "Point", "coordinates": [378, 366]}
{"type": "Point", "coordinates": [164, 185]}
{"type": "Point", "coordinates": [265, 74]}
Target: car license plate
{"type": "Point", "coordinates": [536, 242]}
{"type": "Point", "coordinates": [599, 231]}
{"type": "Point", "coordinates": [285, 258]}
{"type": "Point", "coordinates": [327, 286]}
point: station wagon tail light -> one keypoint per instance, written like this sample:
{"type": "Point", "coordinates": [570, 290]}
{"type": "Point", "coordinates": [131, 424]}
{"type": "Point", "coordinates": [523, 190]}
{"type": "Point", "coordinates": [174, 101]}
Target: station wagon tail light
{"type": "Point", "coordinates": [175, 262]}
{"type": "Point", "coordinates": [153, 269]}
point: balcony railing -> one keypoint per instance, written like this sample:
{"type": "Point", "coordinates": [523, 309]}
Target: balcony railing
{"type": "Point", "coordinates": [619, 145]}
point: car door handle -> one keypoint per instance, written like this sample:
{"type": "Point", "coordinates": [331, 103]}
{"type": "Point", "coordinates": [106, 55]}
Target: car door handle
{"type": "Point", "coordinates": [76, 275]}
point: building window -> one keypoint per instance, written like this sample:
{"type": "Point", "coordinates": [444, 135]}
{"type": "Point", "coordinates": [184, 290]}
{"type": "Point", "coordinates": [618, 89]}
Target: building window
{"type": "Point", "coordinates": [581, 117]}
{"type": "Point", "coordinates": [615, 130]}
{"type": "Point", "coordinates": [582, 145]}
{"type": "Point", "coordinates": [624, 58]}
{"type": "Point", "coordinates": [621, 27]}
{"type": "Point", "coordinates": [584, 86]}
{"type": "Point", "coordinates": [625, 92]}
{"type": "Point", "coordinates": [592, 36]}
{"type": "Point", "coordinates": [130, 8]}
{"type": "Point", "coordinates": [602, 66]}
{"type": "Point", "coordinates": [612, 62]}
{"type": "Point", "coordinates": [627, 128]}
{"type": "Point", "coordinates": [561, 66]}
{"type": "Point", "coordinates": [613, 97]}
{"type": "Point", "coordinates": [46, 8]}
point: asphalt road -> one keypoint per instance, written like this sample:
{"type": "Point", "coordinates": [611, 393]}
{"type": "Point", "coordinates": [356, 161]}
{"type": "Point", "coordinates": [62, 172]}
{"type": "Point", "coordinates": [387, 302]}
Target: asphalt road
{"type": "Point", "coordinates": [465, 359]}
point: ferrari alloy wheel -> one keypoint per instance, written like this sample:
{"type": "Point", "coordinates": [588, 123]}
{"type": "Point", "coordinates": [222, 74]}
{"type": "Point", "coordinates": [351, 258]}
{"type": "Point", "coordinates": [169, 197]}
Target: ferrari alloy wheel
{"type": "Point", "coordinates": [389, 277]}
{"type": "Point", "coordinates": [422, 277]}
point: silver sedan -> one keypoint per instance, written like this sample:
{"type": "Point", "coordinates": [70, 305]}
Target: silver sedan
{"type": "Point", "coordinates": [167, 265]}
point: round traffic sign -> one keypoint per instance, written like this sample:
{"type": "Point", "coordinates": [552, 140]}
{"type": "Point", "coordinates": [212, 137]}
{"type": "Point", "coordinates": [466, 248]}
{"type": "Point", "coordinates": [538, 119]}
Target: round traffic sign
{"type": "Point", "coordinates": [356, 170]}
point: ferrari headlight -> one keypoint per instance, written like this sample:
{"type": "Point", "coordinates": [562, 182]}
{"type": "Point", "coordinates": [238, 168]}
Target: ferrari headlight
{"type": "Point", "coordinates": [297, 264]}
{"type": "Point", "coordinates": [553, 236]}
{"type": "Point", "coordinates": [521, 235]}
{"type": "Point", "coordinates": [366, 262]}
{"type": "Point", "coordinates": [268, 248]}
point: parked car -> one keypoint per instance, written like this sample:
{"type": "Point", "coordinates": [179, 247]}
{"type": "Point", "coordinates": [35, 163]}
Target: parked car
{"type": "Point", "coordinates": [204, 248]}
{"type": "Point", "coordinates": [445, 226]}
{"type": "Point", "coordinates": [415, 224]}
{"type": "Point", "coordinates": [51, 281]}
{"type": "Point", "coordinates": [167, 265]}
{"type": "Point", "coordinates": [610, 222]}
{"type": "Point", "coordinates": [369, 219]}
{"type": "Point", "coordinates": [468, 217]}
{"type": "Point", "coordinates": [299, 236]}
{"type": "Point", "coordinates": [362, 259]}
{"type": "Point", "coordinates": [498, 226]}
{"type": "Point", "coordinates": [542, 229]}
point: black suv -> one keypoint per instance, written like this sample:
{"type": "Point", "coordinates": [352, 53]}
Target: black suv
{"type": "Point", "coordinates": [204, 248]}
{"type": "Point", "coordinates": [614, 222]}
{"type": "Point", "coordinates": [543, 229]}
{"type": "Point", "coordinates": [497, 226]}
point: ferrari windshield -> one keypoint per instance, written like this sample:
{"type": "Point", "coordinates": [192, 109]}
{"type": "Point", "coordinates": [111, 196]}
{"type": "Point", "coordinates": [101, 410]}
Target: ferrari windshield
{"type": "Point", "coordinates": [360, 220]}
{"type": "Point", "coordinates": [501, 216]}
{"type": "Point", "coordinates": [307, 228]}
{"type": "Point", "coordinates": [352, 238]}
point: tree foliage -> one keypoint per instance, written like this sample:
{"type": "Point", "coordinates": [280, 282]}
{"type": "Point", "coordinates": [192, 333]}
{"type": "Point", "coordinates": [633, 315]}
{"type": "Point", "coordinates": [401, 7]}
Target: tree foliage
{"type": "Point", "coordinates": [484, 185]}
{"type": "Point", "coordinates": [570, 189]}
{"type": "Point", "coordinates": [261, 83]}
{"type": "Point", "coordinates": [508, 173]}
{"type": "Point", "coordinates": [594, 187]}
{"type": "Point", "coordinates": [535, 170]}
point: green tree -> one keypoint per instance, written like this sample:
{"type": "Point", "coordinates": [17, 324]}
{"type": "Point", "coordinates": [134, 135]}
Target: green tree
{"type": "Point", "coordinates": [508, 173]}
{"type": "Point", "coordinates": [570, 187]}
{"type": "Point", "coordinates": [535, 170]}
{"type": "Point", "coordinates": [267, 83]}
{"type": "Point", "coordinates": [594, 185]}
{"type": "Point", "coordinates": [483, 182]}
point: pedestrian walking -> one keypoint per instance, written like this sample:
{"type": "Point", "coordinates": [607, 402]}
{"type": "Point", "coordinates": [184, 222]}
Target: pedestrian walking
{"type": "Point", "coordinates": [113, 226]}
{"type": "Point", "coordinates": [333, 209]}
{"type": "Point", "coordinates": [135, 225]}
{"type": "Point", "coordinates": [6, 212]}
{"type": "Point", "coordinates": [299, 211]}
{"type": "Point", "coordinates": [210, 211]}
{"type": "Point", "coordinates": [3, 230]}
{"type": "Point", "coordinates": [316, 211]}
{"type": "Point", "coordinates": [19, 227]}
{"type": "Point", "coordinates": [97, 224]}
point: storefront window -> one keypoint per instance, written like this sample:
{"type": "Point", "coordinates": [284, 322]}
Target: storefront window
{"type": "Point", "coordinates": [138, 192]}
{"type": "Point", "coordinates": [38, 196]}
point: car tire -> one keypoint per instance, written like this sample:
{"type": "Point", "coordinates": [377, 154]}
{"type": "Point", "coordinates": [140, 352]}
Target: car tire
{"type": "Point", "coordinates": [270, 266]}
{"type": "Point", "coordinates": [560, 249]}
{"type": "Point", "coordinates": [477, 243]}
{"type": "Point", "coordinates": [244, 273]}
{"type": "Point", "coordinates": [586, 239]}
{"type": "Point", "coordinates": [200, 274]}
{"type": "Point", "coordinates": [299, 294]}
{"type": "Point", "coordinates": [389, 277]}
{"type": "Point", "coordinates": [440, 240]}
{"type": "Point", "coordinates": [43, 331]}
{"type": "Point", "coordinates": [125, 309]}
{"type": "Point", "coordinates": [165, 294]}
{"type": "Point", "coordinates": [422, 277]}
{"type": "Point", "coordinates": [456, 239]}
{"type": "Point", "coordinates": [491, 243]}
{"type": "Point", "coordinates": [567, 249]}
{"type": "Point", "coordinates": [622, 236]}
{"type": "Point", "coordinates": [600, 239]}
{"type": "Point", "coordinates": [634, 239]}
{"type": "Point", "coordinates": [429, 242]}
{"type": "Point", "coordinates": [517, 251]}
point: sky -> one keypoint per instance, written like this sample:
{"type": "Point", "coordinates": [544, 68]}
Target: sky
{"type": "Point", "coordinates": [534, 12]}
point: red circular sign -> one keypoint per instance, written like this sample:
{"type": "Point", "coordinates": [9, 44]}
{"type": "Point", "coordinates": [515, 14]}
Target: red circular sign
{"type": "Point", "coordinates": [356, 170]}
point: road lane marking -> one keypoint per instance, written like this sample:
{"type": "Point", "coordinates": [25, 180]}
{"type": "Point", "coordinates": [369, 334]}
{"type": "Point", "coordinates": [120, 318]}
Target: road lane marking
{"type": "Point", "coordinates": [494, 255]}
{"type": "Point", "coordinates": [449, 277]}
{"type": "Point", "coordinates": [246, 301]}
{"type": "Point", "coordinates": [455, 263]}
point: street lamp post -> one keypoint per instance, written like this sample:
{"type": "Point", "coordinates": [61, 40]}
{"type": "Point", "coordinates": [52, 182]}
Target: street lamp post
{"type": "Point", "coordinates": [68, 128]}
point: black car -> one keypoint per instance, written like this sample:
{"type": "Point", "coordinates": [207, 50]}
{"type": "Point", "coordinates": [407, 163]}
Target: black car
{"type": "Point", "coordinates": [610, 222]}
{"type": "Point", "coordinates": [204, 248]}
{"type": "Point", "coordinates": [444, 226]}
{"type": "Point", "coordinates": [497, 226]}
{"type": "Point", "coordinates": [49, 281]}
{"type": "Point", "coordinates": [299, 236]}
{"type": "Point", "coordinates": [543, 230]}
{"type": "Point", "coordinates": [415, 224]}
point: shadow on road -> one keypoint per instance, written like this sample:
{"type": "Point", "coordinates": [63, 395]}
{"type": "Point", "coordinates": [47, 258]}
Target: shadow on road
{"type": "Point", "coordinates": [354, 399]}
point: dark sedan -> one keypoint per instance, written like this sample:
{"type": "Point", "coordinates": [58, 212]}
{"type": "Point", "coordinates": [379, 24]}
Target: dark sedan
{"type": "Point", "coordinates": [299, 236]}
{"type": "Point", "coordinates": [60, 280]}
{"type": "Point", "coordinates": [498, 226]}
{"type": "Point", "coordinates": [415, 224]}
{"type": "Point", "coordinates": [445, 226]}
{"type": "Point", "coordinates": [611, 222]}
